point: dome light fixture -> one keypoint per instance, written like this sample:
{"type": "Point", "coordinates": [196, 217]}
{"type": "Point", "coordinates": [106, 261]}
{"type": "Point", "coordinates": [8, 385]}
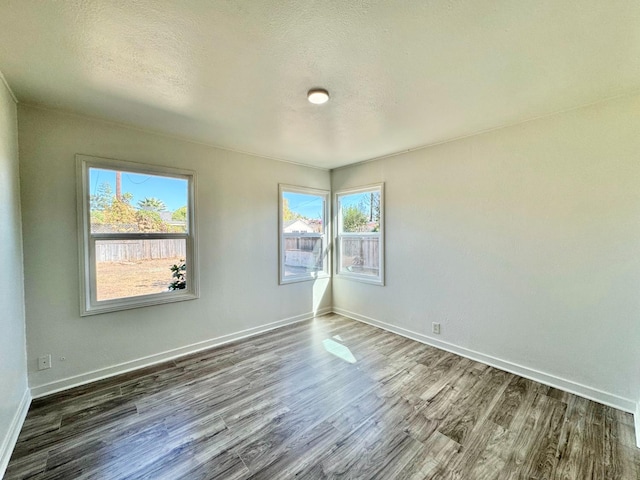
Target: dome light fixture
{"type": "Point", "coordinates": [318, 96]}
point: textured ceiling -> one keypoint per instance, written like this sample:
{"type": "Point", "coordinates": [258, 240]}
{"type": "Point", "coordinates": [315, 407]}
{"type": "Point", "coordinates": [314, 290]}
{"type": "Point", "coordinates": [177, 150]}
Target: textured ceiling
{"type": "Point", "coordinates": [401, 74]}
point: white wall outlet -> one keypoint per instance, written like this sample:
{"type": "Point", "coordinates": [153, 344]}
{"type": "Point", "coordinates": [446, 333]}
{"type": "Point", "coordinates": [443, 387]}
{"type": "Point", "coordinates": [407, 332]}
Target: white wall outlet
{"type": "Point", "coordinates": [435, 328]}
{"type": "Point", "coordinates": [44, 362]}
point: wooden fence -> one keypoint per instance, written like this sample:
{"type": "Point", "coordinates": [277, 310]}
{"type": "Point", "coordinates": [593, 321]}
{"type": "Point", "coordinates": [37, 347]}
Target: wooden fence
{"type": "Point", "coordinates": [360, 251]}
{"type": "Point", "coordinates": [132, 250]}
{"type": "Point", "coordinates": [363, 252]}
{"type": "Point", "coordinates": [303, 250]}
{"type": "Point", "coordinates": [307, 243]}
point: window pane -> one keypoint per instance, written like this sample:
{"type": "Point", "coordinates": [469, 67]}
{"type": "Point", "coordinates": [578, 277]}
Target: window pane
{"type": "Point", "coordinates": [122, 201]}
{"type": "Point", "coordinates": [360, 212]}
{"type": "Point", "coordinates": [302, 254]}
{"type": "Point", "coordinates": [129, 268]}
{"type": "Point", "coordinates": [302, 233]}
{"type": "Point", "coordinates": [360, 254]}
{"type": "Point", "coordinates": [360, 241]}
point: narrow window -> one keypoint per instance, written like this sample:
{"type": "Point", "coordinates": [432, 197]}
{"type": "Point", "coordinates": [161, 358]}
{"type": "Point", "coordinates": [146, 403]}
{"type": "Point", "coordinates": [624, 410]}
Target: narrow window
{"type": "Point", "coordinates": [136, 224]}
{"type": "Point", "coordinates": [303, 234]}
{"type": "Point", "coordinates": [360, 234]}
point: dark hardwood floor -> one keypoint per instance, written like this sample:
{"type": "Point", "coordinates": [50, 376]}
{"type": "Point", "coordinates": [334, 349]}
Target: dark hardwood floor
{"type": "Point", "coordinates": [328, 398]}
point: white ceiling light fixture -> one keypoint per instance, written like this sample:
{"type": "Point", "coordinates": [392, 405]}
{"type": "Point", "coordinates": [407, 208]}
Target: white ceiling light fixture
{"type": "Point", "coordinates": [318, 96]}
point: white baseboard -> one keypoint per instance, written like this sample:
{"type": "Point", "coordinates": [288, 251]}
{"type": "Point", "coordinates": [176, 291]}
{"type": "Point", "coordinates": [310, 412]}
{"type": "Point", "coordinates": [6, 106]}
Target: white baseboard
{"type": "Point", "coordinates": [70, 382]}
{"type": "Point", "coordinates": [10, 439]}
{"type": "Point", "coordinates": [636, 420]}
{"type": "Point", "coordinates": [590, 393]}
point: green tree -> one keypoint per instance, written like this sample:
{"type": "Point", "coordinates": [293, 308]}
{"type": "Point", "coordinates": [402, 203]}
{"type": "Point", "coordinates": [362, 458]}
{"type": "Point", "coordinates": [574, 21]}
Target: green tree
{"type": "Point", "coordinates": [180, 215]}
{"type": "Point", "coordinates": [353, 219]}
{"type": "Point", "coordinates": [150, 221]}
{"type": "Point", "coordinates": [102, 199]}
{"type": "Point", "coordinates": [152, 204]}
{"type": "Point", "coordinates": [121, 213]}
{"type": "Point", "coordinates": [97, 216]}
{"type": "Point", "coordinates": [371, 205]}
{"type": "Point", "coordinates": [287, 214]}
{"type": "Point", "coordinates": [107, 208]}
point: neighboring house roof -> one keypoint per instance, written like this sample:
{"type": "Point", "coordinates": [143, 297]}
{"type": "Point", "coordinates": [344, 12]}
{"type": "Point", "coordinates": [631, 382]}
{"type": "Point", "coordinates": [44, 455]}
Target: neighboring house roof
{"type": "Point", "coordinates": [293, 226]}
{"type": "Point", "coordinates": [167, 217]}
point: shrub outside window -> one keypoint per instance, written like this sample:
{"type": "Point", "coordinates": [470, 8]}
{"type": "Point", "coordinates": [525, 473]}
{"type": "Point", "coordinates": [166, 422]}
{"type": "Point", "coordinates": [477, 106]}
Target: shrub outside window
{"type": "Point", "coordinates": [304, 251]}
{"type": "Point", "coordinates": [360, 234]}
{"type": "Point", "coordinates": [136, 233]}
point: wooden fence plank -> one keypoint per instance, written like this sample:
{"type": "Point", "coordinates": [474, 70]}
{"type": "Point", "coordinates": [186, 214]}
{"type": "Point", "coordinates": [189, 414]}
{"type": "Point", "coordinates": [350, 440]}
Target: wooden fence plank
{"type": "Point", "coordinates": [134, 250]}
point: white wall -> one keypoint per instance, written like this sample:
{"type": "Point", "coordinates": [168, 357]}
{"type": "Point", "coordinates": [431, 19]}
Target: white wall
{"type": "Point", "coordinates": [14, 395]}
{"type": "Point", "coordinates": [524, 243]}
{"type": "Point", "coordinates": [237, 201]}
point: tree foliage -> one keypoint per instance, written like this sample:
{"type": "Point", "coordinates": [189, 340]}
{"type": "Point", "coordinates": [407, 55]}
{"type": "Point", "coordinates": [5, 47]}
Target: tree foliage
{"type": "Point", "coordinates": [354, 219]}
{"type": "Point", "coordinates": [180, 215]}
{"type": "Point", "coordinates": [106, 208]}
{"type": "Point", "coordinates": [152, 204]}
{"type": "Point", "coordinates": [287, 214]}
{"type": "Point", "coordinates": [120, 212]}
{"type": "Point", "coordinates": [371, 205]}
{"type": "Point", "coordinates": [102, 199]}
{"type": "Point", "coordinates": [150, 221]}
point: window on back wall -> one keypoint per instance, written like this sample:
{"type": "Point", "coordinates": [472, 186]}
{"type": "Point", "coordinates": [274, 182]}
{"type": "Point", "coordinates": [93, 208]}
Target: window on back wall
{"type": "Point", "coordinates": [137, 235]}
{"type": "Point", "coordinates": [360, 234]}
{"type": "Point", "coordinates": [303, 234]}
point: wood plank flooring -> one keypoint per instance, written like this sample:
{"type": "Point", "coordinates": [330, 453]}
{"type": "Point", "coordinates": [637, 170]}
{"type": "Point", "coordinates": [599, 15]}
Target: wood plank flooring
{"type": "Point", "coordinates": [327, 398]}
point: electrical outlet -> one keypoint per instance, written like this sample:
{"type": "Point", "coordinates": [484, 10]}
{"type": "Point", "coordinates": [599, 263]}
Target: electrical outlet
{"type": "Point", "coordinates": [435, 328]}
{"type": "Point", "coordinates": [44, 362]}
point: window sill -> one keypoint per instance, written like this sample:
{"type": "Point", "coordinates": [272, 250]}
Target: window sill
{"type": "Point", "coordinates": [361, 278]}
{"type": "Point", "coordinates": [108, 306]}
{"type": "Point", "coordinates": [305, 278]}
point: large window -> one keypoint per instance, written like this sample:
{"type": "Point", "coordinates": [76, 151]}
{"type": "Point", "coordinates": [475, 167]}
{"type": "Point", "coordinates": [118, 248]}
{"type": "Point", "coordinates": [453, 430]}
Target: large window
{"type": "Point", "coordinates": [304, 253]}
{"type": "Point", "coordinates": [360, 234]}
{"type": "Point", "coordinates": [137, 234]}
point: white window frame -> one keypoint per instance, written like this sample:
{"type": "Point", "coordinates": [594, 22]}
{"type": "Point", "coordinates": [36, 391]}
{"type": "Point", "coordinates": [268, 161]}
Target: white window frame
{"type": "Point", "coordinates": [338, 235]}
{"type": "Point", "coordinates": [326, 246]}
{"type": "Point", "coordinates": [89, 305]}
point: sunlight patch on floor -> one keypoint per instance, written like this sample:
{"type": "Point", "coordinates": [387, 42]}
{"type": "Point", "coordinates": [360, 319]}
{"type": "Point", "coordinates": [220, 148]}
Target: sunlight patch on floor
{"type": "Point", "coordinates": [339, 350]}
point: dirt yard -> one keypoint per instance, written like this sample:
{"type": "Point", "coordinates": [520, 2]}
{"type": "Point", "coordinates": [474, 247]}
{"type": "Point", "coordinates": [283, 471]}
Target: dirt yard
{"type": "Point", "coordinates": [126, 279]}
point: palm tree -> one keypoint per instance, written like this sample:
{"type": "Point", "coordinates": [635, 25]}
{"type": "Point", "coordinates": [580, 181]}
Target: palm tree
{"type": "Point", "coordinates": [153, 204]}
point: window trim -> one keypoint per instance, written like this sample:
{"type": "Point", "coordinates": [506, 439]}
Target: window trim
{"type": "Point", "coordinates": [309, 276]}
{"type": "Point", "coordinates": [86, 240]}
{"type": "Point", "coordinates": [380, 279]}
